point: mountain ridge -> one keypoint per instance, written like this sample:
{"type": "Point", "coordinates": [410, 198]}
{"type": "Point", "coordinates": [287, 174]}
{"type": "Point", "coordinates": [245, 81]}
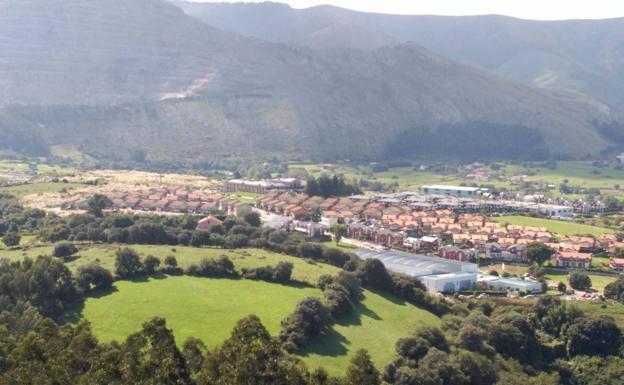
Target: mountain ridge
{"type": "Point", "coordinates": [148, 78]}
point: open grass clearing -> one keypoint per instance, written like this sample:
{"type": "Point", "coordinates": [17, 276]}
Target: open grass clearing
{"type": "Point", "coordinates": [376, 325]}
{"type": "Point", "coordinates": [553, 225]}
{"type": "Point", "coordinates": [38, 188]}
{"type": "Point", "coordinates": [304, 271]}
{"type": "Point", "coordinates": [193, 307]}
{"type": "Point", "coordinates": [598, 281]}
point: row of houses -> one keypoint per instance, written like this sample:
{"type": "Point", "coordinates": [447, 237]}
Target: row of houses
{"type": "Point", "coordinates": [163, 200]}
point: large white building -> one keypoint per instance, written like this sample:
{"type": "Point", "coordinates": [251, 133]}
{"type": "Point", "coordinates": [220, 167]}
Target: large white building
{"type": "Point", "coordinates": [437, 274]}
{"type": "Point", "coordinates": [458, 191]}
{"type": "Point", "coordinates": [511, 284]}
{"type": "Point", "coordinates": [449, 283]}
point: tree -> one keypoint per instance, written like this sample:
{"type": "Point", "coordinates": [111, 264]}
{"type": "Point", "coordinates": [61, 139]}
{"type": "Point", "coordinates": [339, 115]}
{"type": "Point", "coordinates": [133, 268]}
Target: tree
{"type": "Point", "coordinates": [361, 370]}
{"type": "Point", "coordinates": [537, 252]}
{"type": "Point", "coordinates": [315, 215]}
{"type": "Point", "coordinates": [151, 264]}
{"type": "Point", "coordinates": [373, 273]}
{"type": "Point", "coordinates": [11, 238]}
{"type": "Point", "coordinates": [98, 203]}
{"type": "Point", "coordinates": [64, 249]}
{"type": "Point", "coordinates": [593, 337]}
{"type": "Point", "coordinates": [615, 290]}
{"type": "Point", "coordinates": [249, 357]}
{"type": "Point", "coordinates": [252, 218]}
{"type": "Point", "coordinates": [312, 187]}
{"type": "Point", "coordinates": [93, 277]}
{"type": "Point", "coordinates": [339, 231]}
{"type": "Point", "coordinates": [561, 287]}
{"type": "Point", "coordinates": [579, 280]}
{"type": "Point", "coordinates": [127, 263]}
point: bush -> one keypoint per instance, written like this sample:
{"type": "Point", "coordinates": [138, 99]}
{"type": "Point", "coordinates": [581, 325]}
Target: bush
{"type": "Point", "coordinates": [615, 290]}
{"type": "Point", "coordinates": [235, 241]}
{"type": "Point", "coordinates": [93, 277]}
{"type": "Point", "coordinates": [310, 250]}
{"type": "Point", "coordinates": [11, 239]}
{"type": "Point", "coordinates": [335, 257]}
{"type": "Point", "coordinates": [309, 319]}
{"type": "Point", "coordinates": [579, 280]}
{"type": "Point", "coordinates": [151, 264]}
{"type": "Point", "coordinates": [213, 268]}
{"type": "Point", "coordinates": [281, 273]}
{"type": "Point", "coordinates": [127, 263]}
{"type": "Point", "coordinates": [64, 249]}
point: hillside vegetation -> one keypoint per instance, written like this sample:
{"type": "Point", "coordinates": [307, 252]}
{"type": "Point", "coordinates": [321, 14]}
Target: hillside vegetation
{"type": "Point", "coordinates": [121, 81]}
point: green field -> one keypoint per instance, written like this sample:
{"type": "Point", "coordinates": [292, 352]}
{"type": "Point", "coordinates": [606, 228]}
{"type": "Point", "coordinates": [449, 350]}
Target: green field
{"type": "Point", "coordinates": [380, 320]}
{"type": "Point", "coordinates": [304, 271]}
{"type": "Point", "coordinates": [598, 281]}
{"type": "Point", "coordinates": [582, 174]}
{"type": "Point", "coordinates": [553, 225]}
{"type": "Point", "coordinates": [194, 307]}
{"type": "Point", "coordinates": [209, 308]}
{"type": "Point", "coordinates": [37, 168]}
{"type": "Point", "coordinates": [38, 188]}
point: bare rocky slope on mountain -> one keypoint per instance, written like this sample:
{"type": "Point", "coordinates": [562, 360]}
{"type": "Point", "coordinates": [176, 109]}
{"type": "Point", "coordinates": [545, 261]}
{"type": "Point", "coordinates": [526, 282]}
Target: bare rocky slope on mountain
{"type": "Point", "coordinates": [585, 56]}
{"type": "Point", "coordinates": [120, 77]}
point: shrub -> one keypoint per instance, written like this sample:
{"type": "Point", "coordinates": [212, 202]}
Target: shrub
{"type": "Point", "coordinates": [151, 264]}
{"type": "Point", "coordinates": [64, 249]}
{"type": "Point", "coordinates": [127, 263]}
{"type": "Point", "coordinates": [93, 277]}
{"type": "Point", "coordinates": [579, 280]}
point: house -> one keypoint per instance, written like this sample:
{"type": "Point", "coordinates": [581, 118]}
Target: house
{"type": "Point", "coordinates": [455, 253]}
{"type": "Point", "coordinates": [617, 264]}
{"type": "Point", "coordinates": [606, 239]}
{"type": "Point", "coordinates": [573, 259]}
{"type": "Point", "coordinates": [613, 247]}
{"type": "Point", "coordinates": [205, 223]}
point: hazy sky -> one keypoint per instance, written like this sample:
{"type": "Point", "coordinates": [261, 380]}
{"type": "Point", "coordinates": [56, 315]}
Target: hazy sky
{"type": "Point", "coordinates": [528, 9]}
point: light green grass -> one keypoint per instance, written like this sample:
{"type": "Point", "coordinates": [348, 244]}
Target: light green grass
{"type": "Point", "coordinates": [598, 281]}
{"type": "Point", "coordinates": [39, 168]}
{"type": "Point", "coordinates": [245, 197]}
{"type": "Point", "coordinates": [304, 271]}
{"type": "Point", "coordinates": [509, 268]}
{"type": "Point", "coordinates": [377, 324]}
{"type": "Point", "coordinates": [193, 307]}
{"type": "Point", "coordinates": [553, 225]}
{"type": "Point", "coordinates": [611, 308]}
{"type": "Point", "coordinates": [38, 188]}
{"type": "Point", "coordinates": [580, 174]}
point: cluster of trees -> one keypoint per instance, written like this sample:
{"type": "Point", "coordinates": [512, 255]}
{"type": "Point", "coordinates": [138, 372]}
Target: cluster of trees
{"type": "Point", "coordinates": [280, 273]}
{"type": "Point", "coordinates": [552, 343]}
{"type": "Point", "coordinates": [330, 186]}
{"type": "Point", "coordinates": [615, 290]}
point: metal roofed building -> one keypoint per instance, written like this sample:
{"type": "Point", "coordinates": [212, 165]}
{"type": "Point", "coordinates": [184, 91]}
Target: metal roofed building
{"type": "Point", "coordinates": [417, 265]}
{"type": "Point", "coordinates": [511, 283]}
{"type": "Point", "coordinates": [452, 190]}
{"type": "Point", "coordinates": [449, 283]}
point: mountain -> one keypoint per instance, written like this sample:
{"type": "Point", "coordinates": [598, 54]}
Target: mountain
{"type": "Point", "coordinates": [132, 79]}
{"type": "Point", "coordinates": [585, 56]}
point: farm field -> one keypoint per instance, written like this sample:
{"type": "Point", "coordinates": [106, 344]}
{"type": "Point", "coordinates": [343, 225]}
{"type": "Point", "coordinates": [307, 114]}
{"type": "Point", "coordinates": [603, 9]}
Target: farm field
{"type": "Point", "coordinates": [582, 174]}
{"type": "Point", "coordinates": [380, 320]}
{"type": "Point", "coordinates": [105, 255]}
{"type": "Point", "coordinates": [38, 188]}
{"type": "Point", "coordinates": [193, 307]}
{"type": "Point", "coordinates": [553, 225]}
{"type": "Point", "coordinates": [36, 168]}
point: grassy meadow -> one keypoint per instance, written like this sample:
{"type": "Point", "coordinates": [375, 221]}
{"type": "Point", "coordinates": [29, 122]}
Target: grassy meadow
{"type": "Point", "coordinates": [304, 271]}
{"type": "Point", "coordinates": [193, 307]}
{"type": "Point", "coordinates": [379, 321]}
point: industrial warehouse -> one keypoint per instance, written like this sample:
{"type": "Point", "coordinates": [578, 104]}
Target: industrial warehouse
{"type": "Point", "coordinates": [445, 276]}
